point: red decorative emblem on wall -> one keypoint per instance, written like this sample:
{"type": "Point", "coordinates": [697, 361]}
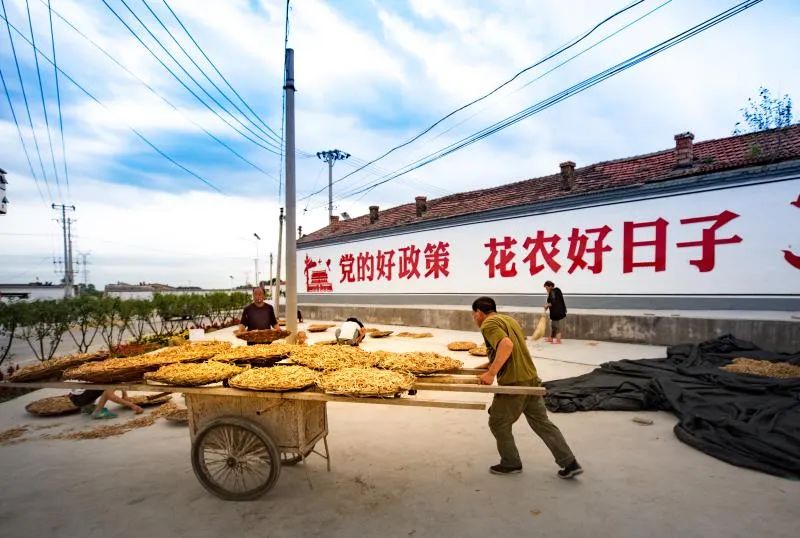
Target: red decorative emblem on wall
{"type": "Point", "coordinates": [317, 280]}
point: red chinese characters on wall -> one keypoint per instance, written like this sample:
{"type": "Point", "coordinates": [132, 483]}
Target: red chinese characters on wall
{"type": "Point", "coordinates": [644, 246]}
{"type": "Point", "coordinates": [790, 257]}
{"type": "Point", "coordinates": [403, 263]}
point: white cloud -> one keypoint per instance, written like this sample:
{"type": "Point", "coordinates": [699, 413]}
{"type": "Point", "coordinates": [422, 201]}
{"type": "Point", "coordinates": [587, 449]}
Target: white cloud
{"type": "Point", "coordinates": [368, 77]}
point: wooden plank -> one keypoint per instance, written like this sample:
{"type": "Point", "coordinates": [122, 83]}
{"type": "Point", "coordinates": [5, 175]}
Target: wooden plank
{"type": "Point", "coordinates": [462, 379]}
{"type": "Point", "coordinates": [410, 402]}
{"type": "Point", "coordinates": [471, 371]}
{"type": "Point", "coordinates": [488, 389]}
{"type": "Point", "coordinates": [224, 391]}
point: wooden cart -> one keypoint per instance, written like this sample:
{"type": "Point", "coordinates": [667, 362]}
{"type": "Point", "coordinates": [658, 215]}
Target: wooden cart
{"type": "Point", "coordinates": [240, 439]}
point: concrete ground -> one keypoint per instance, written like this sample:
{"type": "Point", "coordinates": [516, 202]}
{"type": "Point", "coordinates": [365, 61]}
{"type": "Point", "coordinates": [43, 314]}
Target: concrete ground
{"type": "Point", "coordinates": [399, 471]}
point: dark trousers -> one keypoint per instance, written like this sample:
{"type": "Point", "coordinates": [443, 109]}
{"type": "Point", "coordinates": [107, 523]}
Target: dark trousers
{"type": "Point", "coordinates": [506, 410]}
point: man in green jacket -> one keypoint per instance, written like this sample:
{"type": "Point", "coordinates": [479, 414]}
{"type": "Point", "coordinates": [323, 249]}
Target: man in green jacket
{"type": "Point", "coordinates": [511, 363]}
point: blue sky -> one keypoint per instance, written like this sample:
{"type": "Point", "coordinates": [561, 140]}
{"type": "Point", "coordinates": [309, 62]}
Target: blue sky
{"type": "Point", "coordinates": [369, 75]}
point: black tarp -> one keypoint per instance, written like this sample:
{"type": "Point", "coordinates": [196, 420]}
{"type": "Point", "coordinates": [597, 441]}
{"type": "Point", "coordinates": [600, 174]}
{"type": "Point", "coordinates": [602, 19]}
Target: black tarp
{"type": "Point", "coordinates": [749, 421]}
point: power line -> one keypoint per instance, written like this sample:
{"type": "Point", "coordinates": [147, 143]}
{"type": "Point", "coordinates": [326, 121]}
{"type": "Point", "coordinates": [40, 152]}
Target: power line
{"type": "Point", "coordinates": [270, 143]}
{"type": "Point", "coordinates": [217, 70]}
{"type": "Point", "coordinates": [25, 98]}
{"type": "Point", "coordinates": [96, 100]}
{"type": "Point", "coordinates": [44, 103]}
{"type": "Point", "coordinates": [258, 142]}
{"type": "Point", "coordinates": [553, 54]}
{"type": "Point", "coordinates": [58, 97]}
{"type": "Point", "coordinates": [21, 139]}
{"type": "Point", "coordinates": [559, 65]}
{"type": "Point", "coordinates": [157, 94]}
{"type": "Point", "coordinates": [552, 69]}
{"type": "Point", "coordinates": [565, 94]}
{"type": "Point", "coordinates": [269, 133]}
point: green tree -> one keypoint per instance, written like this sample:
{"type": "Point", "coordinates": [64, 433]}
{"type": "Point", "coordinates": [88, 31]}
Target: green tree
{"type": "Point", "coordinates": [141, 311]}
{"type": "Point", "coordinates": [765, 112]}
{"type": "Point", "coordinates": [43, 324]}
{"type": "Point", "coordinates": [8, 326]}
{"type": "Point", "coordinates": [84, 328]}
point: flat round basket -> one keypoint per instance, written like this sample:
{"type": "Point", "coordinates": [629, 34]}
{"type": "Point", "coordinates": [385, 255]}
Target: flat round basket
{"type": "Point", "coordinates": [52, 407]}
{"type": "Point", "coordinates": [380, 334]}
{"type": "Point", "coordinates": [276, 379]}
{"type": "Point", "coordinates": [53, 368]}
{"type": "Point", "coordinates": [262, 336]}
{"type": "Point", "coordinates": [318, 328]}
{"type": "Point", "coordinates": [325, 343]}
{"type": "Point", "coordinates": [416, 362]}
{"type": "Point", "coordinates": [461, 346]}
{"type": "Point", "coordinates": [193, 374]}
{"type": "Point", "coordinates": [365, 382]}
{"type": "Point", "coordinates": [479, 351]}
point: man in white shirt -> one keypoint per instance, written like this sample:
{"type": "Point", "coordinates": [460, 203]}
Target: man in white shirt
{"type": "Point", "coordinates": [352, 332]}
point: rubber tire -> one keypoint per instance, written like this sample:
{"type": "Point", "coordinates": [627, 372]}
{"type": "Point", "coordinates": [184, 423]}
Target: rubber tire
{"type": "Point", "coordinates": [225, 494]}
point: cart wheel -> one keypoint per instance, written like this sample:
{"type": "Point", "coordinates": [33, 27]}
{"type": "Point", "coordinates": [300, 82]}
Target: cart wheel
{"type": "Point", "coordinates": [235, 459]}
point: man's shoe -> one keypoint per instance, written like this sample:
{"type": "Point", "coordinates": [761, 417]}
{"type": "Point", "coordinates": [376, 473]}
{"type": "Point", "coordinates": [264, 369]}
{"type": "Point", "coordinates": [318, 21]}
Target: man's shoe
{"type": "Point", "coordinates": [502, 469]}
{"type": "Point", "coordinates": [570, 471]}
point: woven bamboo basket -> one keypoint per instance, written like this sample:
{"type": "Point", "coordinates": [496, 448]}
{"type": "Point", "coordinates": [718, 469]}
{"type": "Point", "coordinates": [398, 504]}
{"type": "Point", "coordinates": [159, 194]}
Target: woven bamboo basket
{"type": "Point", "coordinates": [52, 407]}
{"type": "Point", "coordinates": [417, 362]}
{"type": "Point", "coordinates": [415, 335]}
{"type": "Point", "coordinates": [277, 379]}
{"type": "Point", "coordinates": [53, 368]}
{"type": "Point", "coordinates": [262, 336]}
{"type": "Point", "coordinates": [122, 370]}
{"type": "Point", "coordinates": [380, 334]}
{"type": "Point", "coordinates": [318, 328]}
{"type": "Point", "coordinates": [461, 346]}
{"type": "Point", "coordinates": [193, 374]}
{"type": "Point", "coordinates": [479, 351]}
{"type": "Point", "coordinates": [366, 382]}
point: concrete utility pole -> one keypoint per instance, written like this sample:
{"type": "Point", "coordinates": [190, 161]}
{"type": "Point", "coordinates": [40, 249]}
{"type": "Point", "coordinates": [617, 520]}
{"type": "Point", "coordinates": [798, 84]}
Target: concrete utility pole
{"type": "Point", "coordinates": [67, 248]}
{"type": "Point", "coordinates": [291, 217]}
{"type": "Point", "coordinates": [271, 283]}
{"type": "Point", "coordinates": [255, 260]}
{"type": "Point", "coordinates": [277, 296]}
{"type": "Point", "coordinates": [330, 156]}
{"type": "Point", "coordinates": [70, 264]}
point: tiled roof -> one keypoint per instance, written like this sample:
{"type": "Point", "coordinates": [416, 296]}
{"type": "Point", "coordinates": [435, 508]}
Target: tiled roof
{"type": "Point", "coordinates": [709, 156]}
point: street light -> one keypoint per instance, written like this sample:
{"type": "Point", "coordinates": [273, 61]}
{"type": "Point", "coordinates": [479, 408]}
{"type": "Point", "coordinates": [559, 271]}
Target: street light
{"type": "Point", "coordinates": [231, 277]}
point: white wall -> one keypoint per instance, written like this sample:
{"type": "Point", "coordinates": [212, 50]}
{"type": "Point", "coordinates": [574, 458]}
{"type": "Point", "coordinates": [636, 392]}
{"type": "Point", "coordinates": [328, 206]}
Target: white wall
{"type": "Point", "coordinates": [767, 224]}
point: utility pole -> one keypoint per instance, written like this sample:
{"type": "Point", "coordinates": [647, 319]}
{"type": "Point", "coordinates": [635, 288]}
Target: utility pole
{"type": "Point", "coordinates": [67, 248]}
{"type": "Point", "coordinates": [291, 216]}
{"type": "Point", "coordinates": [255, 260]}
{"type": "Point", "coordinates": [277, 296]}
{"type": "Point", "coordinates": [330, 156]}
{"type": "Point", "coordinates": [71, 268]}
{"type": "Point", "coordinates": [271, 283]}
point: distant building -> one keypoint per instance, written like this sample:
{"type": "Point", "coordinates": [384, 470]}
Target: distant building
{"type": "Point", "coordinates": [35, 291]}
{"type": "Point", "coordinates": [145, 290]}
